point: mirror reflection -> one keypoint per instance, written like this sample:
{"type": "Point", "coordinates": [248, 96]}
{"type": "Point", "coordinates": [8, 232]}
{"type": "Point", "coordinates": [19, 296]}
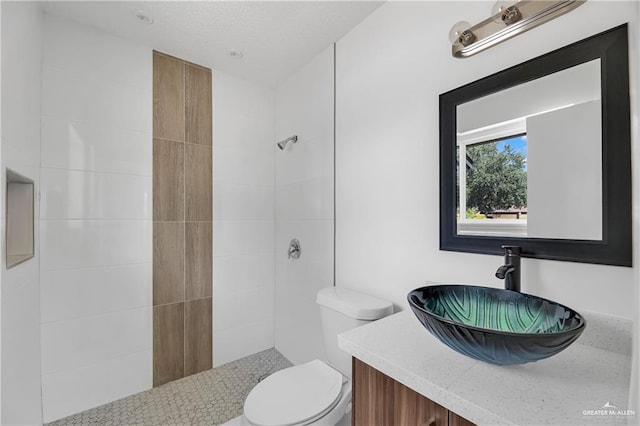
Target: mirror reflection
{"type": "Point", "coordinates": [529, 159]}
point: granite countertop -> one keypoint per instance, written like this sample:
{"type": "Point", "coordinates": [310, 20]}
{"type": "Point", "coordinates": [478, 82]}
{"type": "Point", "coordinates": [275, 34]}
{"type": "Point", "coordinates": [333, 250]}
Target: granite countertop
{"type": "Point", "coordinates": [569, 388]}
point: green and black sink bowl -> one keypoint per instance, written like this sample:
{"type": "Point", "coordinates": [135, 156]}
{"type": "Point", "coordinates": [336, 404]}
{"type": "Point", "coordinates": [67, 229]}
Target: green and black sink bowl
{"type": "Point", "coordinates": [498, 326]}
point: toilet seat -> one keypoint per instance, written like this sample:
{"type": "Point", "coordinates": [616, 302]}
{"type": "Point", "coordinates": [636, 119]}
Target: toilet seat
{"type": "Point", "coordinates": [294, 396]}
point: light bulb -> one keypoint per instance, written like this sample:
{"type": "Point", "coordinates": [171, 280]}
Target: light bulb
{"type": "Point", "coordinates": [499, 6]}
{"type": "Point", "coordinates": [460, 34]}
{"type": "Point", "coordinates": [506, 11]}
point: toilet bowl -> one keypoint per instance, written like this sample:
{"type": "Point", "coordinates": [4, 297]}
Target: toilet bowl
{"type": "Point", "coordinates": [318, 392]}
{"type": "Point", "coordinates": [308, 394]}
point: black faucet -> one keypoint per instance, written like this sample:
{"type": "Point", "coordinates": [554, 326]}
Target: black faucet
{"type": "Point", "coordinates": [510, 271]}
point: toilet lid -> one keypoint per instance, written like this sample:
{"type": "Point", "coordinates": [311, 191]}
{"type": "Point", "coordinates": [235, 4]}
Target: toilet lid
{"type": "Point", "coordinates": [294, 395]}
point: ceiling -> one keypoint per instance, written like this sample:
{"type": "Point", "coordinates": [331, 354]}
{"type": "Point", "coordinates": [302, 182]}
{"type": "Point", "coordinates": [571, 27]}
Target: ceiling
{"type": "Point", "coordinates": [276, 38]}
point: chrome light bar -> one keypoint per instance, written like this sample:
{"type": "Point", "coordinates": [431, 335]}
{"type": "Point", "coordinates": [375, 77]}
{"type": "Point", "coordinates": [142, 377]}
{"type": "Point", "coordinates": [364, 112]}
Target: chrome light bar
{"type": "Point", "coordinates": [509, 22]}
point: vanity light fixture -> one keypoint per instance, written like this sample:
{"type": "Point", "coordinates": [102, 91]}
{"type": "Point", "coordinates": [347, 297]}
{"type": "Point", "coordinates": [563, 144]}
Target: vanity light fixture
{"type": "Point", "coordinates": [509, 19]}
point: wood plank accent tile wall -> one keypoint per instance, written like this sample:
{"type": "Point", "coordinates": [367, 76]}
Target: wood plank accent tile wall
{"type": "Point", "coordinates": [182, 219]}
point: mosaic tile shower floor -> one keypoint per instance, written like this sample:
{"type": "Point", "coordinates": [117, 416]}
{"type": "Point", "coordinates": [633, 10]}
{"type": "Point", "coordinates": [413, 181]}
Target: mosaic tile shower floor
{"type": "Point", "coordinates": [208, 398]}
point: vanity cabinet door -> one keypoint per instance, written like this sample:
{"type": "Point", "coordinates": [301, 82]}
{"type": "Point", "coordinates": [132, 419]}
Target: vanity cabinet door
{"type": "Point", "coordinates": [372, 396]}
{"type": "Point", "coordinates": [378, 400]}
{"type": "Point", "coordinates": [411, 408]}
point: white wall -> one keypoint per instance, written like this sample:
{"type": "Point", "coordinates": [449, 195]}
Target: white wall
{"type": "Point", "coordinates": [243, 218]}
{"type": "Point", "coordinates": [96, 212]}
{"type": "Point", "coordinates": [390, 71]}
{"type": "Point", "coordinates": [21, 82]}
{"type": "Point", "coordinates": [304, 206]}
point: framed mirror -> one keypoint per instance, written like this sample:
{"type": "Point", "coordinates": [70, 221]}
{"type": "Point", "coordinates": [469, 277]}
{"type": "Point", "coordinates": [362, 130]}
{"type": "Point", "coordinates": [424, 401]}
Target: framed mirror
{"type": "Point", "coordinates": [539, 156]}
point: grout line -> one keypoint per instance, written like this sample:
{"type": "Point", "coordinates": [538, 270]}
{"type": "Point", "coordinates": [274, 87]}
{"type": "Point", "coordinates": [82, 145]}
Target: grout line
{"type": "Point", "coordinates": [184, 227]}
{"type": "Point", "coordinates": [99, 314]}
{"type": "Point", "coordinates": [168, 304]}
{"type": "Point", "coordinates": [95, 219]}
{"type": "Point", "coordinates": [168, 140]}
{"type": "Point", "coordinates": [66, 169]}
{"type": "Point", "coordinates": [197, 298]}
{"type": "Point", "coordinates": [199, 144]}
{"type": "Point", "coordinates": [88, 268]}
{"type": "Point", "coordinates": [97, 266]}
{"type": "Point", "coordinates": [220, 182]}
{"type": "Point", "coordinates": [37, 231]}
{"type": "Point", "coordinates": [94, 124]}
{"type": "Point", "coordinates": [334, 162]}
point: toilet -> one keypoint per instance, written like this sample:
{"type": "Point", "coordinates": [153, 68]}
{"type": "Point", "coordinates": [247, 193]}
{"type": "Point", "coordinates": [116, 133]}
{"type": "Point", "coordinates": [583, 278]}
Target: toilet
{"type": "Point", "coordinates": [318, 392]}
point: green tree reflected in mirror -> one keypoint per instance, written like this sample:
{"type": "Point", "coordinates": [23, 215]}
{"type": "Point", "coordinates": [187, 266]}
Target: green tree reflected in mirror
{"type": "Point", "coordinates": [497, 178]}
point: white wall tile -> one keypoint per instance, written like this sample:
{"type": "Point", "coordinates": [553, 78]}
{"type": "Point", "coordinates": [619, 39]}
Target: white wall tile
{"type": "Point", "coordinates": [309, 158]}
{"type": "Point", "coordinates": [67, 244]}
{"type": "Point", "coordinates": [73, 293]}
{"type": "Point", "coordinates": [230, 345]}
{"type": "Point", "coordinates": [244, 307]}
{"type": "Point", "coordinates": [96, 228]}
{"type": "Point", "coordinates": [80, 342]}
{"type": "Point", "coordinates": [315, 236]}
{"type": "Point", "coordinates": [309, 199]}
{"type": "Point", "coordinates": [248, 167]}
{"type": "Point", "coordinates": [72, 47]}
{"type": "Point", "coordinates": [72, 391]}
{"type": "Point", "coordinates": [22, 80]}
{"type": "Point", "coordinates": [242, 237]}
{"type": "Point", "coordinates": [304, 106]}
{"type": "Point", "coordinates": [240, 273]}
{"type": "Point", "coordinates": [20, 150]}
{"type": "Point", "coordinates": [76, 97]}
{"type": "Point", "coordinates": [298, 330]}
{"type": "Point", "coordinates": [21, 376]}
{"type": "Point", "coordinates": [243, 202]}
{"type": "Point", "coordinates": [70, 194]}
{"type": "Point", "coordinates": [304, 207]}
{"type": "Point", "coordinates": [96, 147]}
{"type": "Point", "coordinates": [235, 95]}
{"type": "Point", "coordinates": [301, 279]}
{"type": "Point", "coordinates": [20, 308]}
{"type": "Point", "coordinates": [244, 133]}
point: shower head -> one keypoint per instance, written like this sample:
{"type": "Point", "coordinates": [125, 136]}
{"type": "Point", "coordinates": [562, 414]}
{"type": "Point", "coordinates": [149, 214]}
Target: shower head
{"type": "Point", "coordinates": [282, 144]}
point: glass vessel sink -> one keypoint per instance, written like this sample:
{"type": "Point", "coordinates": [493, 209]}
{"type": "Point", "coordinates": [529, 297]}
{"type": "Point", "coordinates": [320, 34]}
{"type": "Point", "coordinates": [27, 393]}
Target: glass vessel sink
{"type": "Point", "coordinates": [494, 325]}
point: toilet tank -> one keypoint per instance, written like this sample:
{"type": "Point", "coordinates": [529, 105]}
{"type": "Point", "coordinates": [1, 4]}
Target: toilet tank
{"type": "Point", "coordinates": [342, 309]}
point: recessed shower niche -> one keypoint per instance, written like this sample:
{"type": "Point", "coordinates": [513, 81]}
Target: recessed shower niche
{"type": "Point", "coordinates": [19, 218]}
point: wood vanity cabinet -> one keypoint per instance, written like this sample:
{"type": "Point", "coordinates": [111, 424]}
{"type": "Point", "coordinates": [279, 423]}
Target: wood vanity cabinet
{"type": "Point", "coordinates": [378, 400]}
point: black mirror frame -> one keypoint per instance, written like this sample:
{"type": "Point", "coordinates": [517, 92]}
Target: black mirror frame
{"type": "Point", "coordinates": [615, 248]}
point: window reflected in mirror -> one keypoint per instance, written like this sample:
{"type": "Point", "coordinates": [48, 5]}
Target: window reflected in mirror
{"type": "Point", "coordinates": [493, 194]}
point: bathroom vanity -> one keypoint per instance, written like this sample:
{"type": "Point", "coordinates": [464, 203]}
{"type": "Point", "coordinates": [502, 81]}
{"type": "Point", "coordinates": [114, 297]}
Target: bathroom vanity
{"type": "Point", "coordinates": [404, 375]}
